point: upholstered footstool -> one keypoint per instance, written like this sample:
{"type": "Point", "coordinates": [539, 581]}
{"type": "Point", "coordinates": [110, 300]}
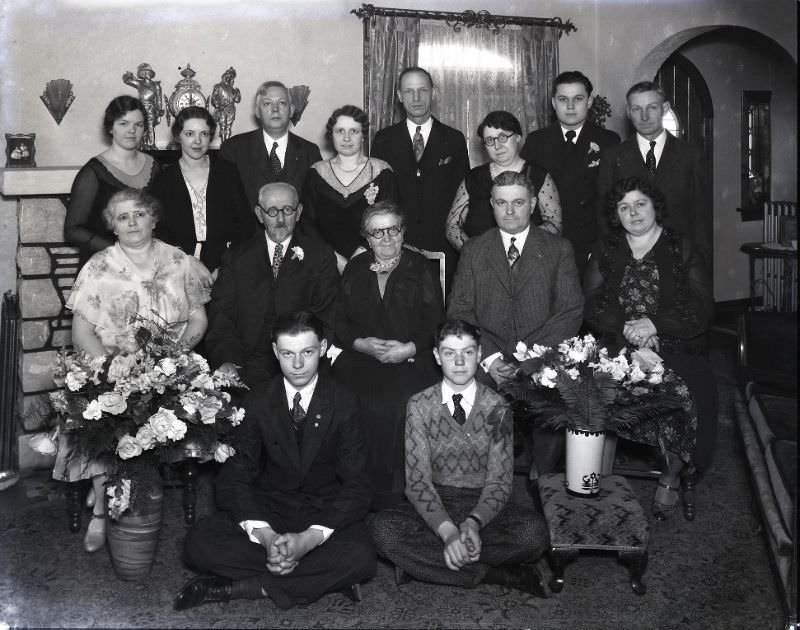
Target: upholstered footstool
{"type": "Point", "coordinates": [612, 521]}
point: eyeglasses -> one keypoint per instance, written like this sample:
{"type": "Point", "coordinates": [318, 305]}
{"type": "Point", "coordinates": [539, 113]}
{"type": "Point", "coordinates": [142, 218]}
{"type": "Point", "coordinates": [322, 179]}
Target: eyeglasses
{"type": "Point", "coordinates": [273, 211]}
{"type": "Point", "coordinates": [502, 138]}
{"type": "Point", "coordinates": [378, 233]}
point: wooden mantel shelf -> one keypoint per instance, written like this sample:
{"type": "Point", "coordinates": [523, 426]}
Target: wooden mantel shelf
{"type": "Point", "coordinates": [43, 180]}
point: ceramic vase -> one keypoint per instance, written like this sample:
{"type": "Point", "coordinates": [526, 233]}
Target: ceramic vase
{"type": "Point", "coordinates": [133, 538]}
{"type": "Point", "coordinates": [584, 462]}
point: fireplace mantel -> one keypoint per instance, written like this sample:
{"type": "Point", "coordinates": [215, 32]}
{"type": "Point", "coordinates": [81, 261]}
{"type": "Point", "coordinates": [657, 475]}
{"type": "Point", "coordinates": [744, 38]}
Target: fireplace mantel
{"type": "Point", "coordinates": [39, 181]}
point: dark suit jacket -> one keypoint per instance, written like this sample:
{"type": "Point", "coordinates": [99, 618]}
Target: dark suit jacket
{"type": "Point", "coordinates": [682, 175]}
{"type": "Point", "coordinates": [246, 299]}
{"type": "Point", "coordinates": [250, 155]}
{"type": "Point", "coordinates": [425, 197]}
{"type": "Point", "coordinates": [543, 304]}
{"type": "Point", "coordinates": [574, 170]}
{"type": "Point", "coordinates": [324, 482]}
{"type": "Point", "coordinates": [229, 219]}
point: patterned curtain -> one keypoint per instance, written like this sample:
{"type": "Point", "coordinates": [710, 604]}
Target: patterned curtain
{"type": "Point", "coordinates": [477, 71]}
{"type": "Point", "coordinates": [391, 45]}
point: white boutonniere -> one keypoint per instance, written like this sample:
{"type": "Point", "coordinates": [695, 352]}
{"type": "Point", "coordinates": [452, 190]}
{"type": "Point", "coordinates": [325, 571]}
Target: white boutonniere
{"type": "Point", "coordinates": [594, 164]}
{"type": "Point", "coordinates": [371, 192]}
{"type": "Point", "coordinates": [594, 147]}
{"type": "Point", "coordinates": [298, 253]}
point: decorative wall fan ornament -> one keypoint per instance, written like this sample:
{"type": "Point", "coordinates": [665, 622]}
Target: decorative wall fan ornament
{"type": "Point", "coordinates": [299, 95]}
{"type": "Point", "coordinates": [57, 97]}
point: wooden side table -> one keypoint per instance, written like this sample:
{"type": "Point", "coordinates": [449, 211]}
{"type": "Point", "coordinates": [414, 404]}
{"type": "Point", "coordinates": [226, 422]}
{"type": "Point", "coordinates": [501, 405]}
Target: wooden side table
{"type": "Point", "coordinates": [613, 521]}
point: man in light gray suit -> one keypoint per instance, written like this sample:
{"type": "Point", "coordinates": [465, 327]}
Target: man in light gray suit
{"type": "Point", "coordinates": [517, 282]}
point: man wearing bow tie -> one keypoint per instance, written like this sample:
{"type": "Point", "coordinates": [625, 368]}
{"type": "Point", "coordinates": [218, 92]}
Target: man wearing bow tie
{"type": "Point", "coordinates": [277, 271]}
{"type": "Point", "coordinates": [294, 495]}
{"type": "Point", "coordinates": [461, 527]}
{"type": "Point", "coordinates": [429, 160]}
{"type": "Point", "coordinates": [518, 284]}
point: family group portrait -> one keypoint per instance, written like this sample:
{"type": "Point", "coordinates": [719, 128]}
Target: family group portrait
{"type": "Point", "coordinates": [325, 314]}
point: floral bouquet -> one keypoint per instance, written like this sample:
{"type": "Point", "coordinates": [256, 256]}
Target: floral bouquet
{"type": "Point", "coordinates": [579, 386]}
{"type": "Point", "coordinates": [148, 405]}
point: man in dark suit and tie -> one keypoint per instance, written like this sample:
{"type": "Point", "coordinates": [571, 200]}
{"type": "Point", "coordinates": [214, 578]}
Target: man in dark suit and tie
{"type": "Point", "coordinates": [294, 495]}
{"type": "Point", "coordinates": [571, 150]}
{"type": "Point", "coordinates": [274, 272]}
{"type": "Point", "coordinates": [518, 284]}
{"type": "Point", "coordinates": [429, 160]}
{"type": "Point", "coordinates": [272, 153]}
{"type": "Point", "coordinates": [677, 168]}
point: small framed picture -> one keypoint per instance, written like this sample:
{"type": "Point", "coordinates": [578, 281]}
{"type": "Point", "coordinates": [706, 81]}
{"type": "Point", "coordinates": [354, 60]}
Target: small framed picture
{"type": "Point", "coordinates": [20, 150]}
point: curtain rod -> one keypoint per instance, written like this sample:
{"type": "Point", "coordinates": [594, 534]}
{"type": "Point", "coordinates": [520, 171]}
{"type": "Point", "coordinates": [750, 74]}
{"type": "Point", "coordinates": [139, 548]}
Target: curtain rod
{"type": "Point", "coordinates": [470, 19]}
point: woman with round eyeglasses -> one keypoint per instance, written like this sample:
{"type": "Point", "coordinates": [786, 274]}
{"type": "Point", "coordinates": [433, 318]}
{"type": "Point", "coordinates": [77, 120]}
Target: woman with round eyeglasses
{"type": "Point", "coordinates": [205, 208]}
{"type": "Point", "coordinates": [389, 302]}
{"type": "Point", "coordinates": [337, 191]}
{"type": "Point", "coordinates": [471, 213]}
{"type": "Point", "coordinates": [647, 287]}
{"type": "Point", "coordinates": [120, 166]}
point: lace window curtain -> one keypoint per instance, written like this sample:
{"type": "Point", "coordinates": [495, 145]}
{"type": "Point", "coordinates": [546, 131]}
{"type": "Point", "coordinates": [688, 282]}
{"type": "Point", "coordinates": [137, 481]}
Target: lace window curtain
{"type": "Point", "coordinates": [392, 45]}
{"type": "Point", "coordinates": [475, 71]}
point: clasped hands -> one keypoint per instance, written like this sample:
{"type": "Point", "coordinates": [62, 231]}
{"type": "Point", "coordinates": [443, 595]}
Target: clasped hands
{"type": "Point", "coordinates": [462, 545]}
{"type": "Point", "coordinates": [385, 350]}
{"type": "Point", "coordinates": [641, 333]}
{"type": "Point", "coordinates": [284, 551]}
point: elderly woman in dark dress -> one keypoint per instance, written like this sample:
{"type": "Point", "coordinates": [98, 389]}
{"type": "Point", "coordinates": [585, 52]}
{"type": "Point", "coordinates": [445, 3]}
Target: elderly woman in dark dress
{"type": "Point", "coordinates": [471, 213]}
{"type": "Point", "coordinates": [338, 191]}
{"type": "Point", "coordinates": [120, 166]}
{"type": "Point", "coordinates": [647, 286]}
{"type": "Point", "coordinates": [388, 306]}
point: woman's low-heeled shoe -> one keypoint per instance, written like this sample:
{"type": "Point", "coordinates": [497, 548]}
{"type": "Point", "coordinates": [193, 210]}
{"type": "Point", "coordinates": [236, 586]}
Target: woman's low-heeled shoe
{"type": "Point", "coordinates": [661, 509]}
{"type": "Point", "coordinates": [95, 534]}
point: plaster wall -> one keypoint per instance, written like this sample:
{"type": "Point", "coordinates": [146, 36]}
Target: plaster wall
{"type": "Point", "coordinates": [92, 42]}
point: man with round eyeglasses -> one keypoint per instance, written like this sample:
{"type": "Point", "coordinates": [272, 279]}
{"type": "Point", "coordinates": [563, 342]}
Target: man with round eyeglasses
{"type": "Point", "coordinates": [275, 272]}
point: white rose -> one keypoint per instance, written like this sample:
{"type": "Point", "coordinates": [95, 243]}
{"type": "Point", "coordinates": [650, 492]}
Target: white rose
{"type": "Point", "coordinates": [167, 366]}
{"type": "Point", "coordinates": [549, 376]}
{"type": "Point", "coordinates": [203, 381]}
{"type": "Point", "coordinates": [177, 429]}
{"type": "Point", "coordinates": [189, 402]}
{"type": "Point", "coordinates": [520, 351]}
{"type": "Point", "coordinates": [146, 437]}
{"type": "Point", "coordinates": [112, 402]}
{"type": "Point", "coordinates": [120, 367]}
{"type": "Point", "coordinates": [236, 416]}
{"type": "Point", "coordinates": [128, 447]}
{"type": "Point", "coordinates": [636, 373]}
{"type": "Point", "coordinates": [161, 423]}
{"type": "Point", "coordinates": [208, 409]}
{"type": "Point", "coordinates": [573, 373]}
{"type": "Point", "coordinates": [75, 380]}
{"type": "Point", "coordinates": [93, 411]}
{"type": "Point", "coordinates": [223, 452]}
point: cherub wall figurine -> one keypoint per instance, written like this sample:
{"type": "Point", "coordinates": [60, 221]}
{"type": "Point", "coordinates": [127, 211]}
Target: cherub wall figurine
{"type": "Point", "coordinates": [224, 98]}
{"type": "Point", "coordinates": [152, 98]}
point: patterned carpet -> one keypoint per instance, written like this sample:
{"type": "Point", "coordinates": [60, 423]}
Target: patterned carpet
{"type": "Point", "coordinates": [712, 573]}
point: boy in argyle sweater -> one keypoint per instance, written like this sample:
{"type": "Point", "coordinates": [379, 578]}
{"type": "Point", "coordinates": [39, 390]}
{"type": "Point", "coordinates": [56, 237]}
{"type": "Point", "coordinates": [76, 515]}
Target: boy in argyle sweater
{"type": "Point", "coordinates": [460, 527]}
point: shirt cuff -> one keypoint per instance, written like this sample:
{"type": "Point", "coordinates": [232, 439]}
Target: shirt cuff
{"type": "Point", "coordinates": [326, 532]}
{"type": "Point", "coordinates": [249, 526]}
{"type": "Point", "coordinates": [489, 360]}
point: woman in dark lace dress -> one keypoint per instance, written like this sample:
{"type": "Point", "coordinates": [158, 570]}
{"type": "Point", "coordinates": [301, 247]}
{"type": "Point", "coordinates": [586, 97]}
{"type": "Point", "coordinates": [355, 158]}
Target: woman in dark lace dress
{"type": "Point", "coordinates": [471, 213]}
{"type": "Point", "coordinates": [337, 191]}
{"type": "Point", "coordinates": [646, 286]}
{"type": "Point", "coordinates": [120, 166]}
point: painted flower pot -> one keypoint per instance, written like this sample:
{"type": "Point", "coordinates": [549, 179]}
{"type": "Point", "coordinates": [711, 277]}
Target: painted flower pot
{"type": "Point", "coordinates": [133, 538]}
{"type": "Point", "coordinates": [584, 462]}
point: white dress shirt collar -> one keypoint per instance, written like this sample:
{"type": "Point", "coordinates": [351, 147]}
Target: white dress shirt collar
{"type": "Point", "coordinates": [425, 129]}
{"type": "Point", "coordinates": [644, 145]}
{"type": "Point", "coordinates": [577, 131]}
{"type": "Point", "coordinates": [519, 239]}
{"type": "Point", "coordinates": [468, 400]}
{"type": "Point", "coordinates": [283, 142]}
{"type": "Point", "coordinates": [305, 393]}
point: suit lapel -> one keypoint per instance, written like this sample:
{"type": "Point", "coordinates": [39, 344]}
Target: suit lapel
{"type": "Point", "coordinates": [262, 273]}
{"type": "Point", "coordinates": [498, 260]}
{"type": "Point", "coordinates": [318, 420]}
{"type": "Point", "coordinates": [259, 155]}
{"type": "Point", "coordinates": [278, 418]}
{"type": "Point", "coordinates": [530, 261]}
{"type": "Point", "coordinates": [290, 159]}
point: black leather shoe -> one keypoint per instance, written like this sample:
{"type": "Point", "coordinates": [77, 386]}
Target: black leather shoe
{"type": "Point", "coordinates": [353, 593]}
{"type": "Point", "coordinates": [522, 577]}
{"type": "Point", "coordinates": [202, 590]}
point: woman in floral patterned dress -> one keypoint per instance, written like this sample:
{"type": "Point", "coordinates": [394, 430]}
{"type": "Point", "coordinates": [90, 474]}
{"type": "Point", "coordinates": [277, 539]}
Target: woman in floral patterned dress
{"type": "Point", "coordinates": [138, 276]}
{"type": "Point", "coordinates": [647, 286]}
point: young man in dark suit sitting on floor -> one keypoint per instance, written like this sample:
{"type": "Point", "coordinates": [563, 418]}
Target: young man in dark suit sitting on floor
{"type": "Point", "coordinates": [294, 496]}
